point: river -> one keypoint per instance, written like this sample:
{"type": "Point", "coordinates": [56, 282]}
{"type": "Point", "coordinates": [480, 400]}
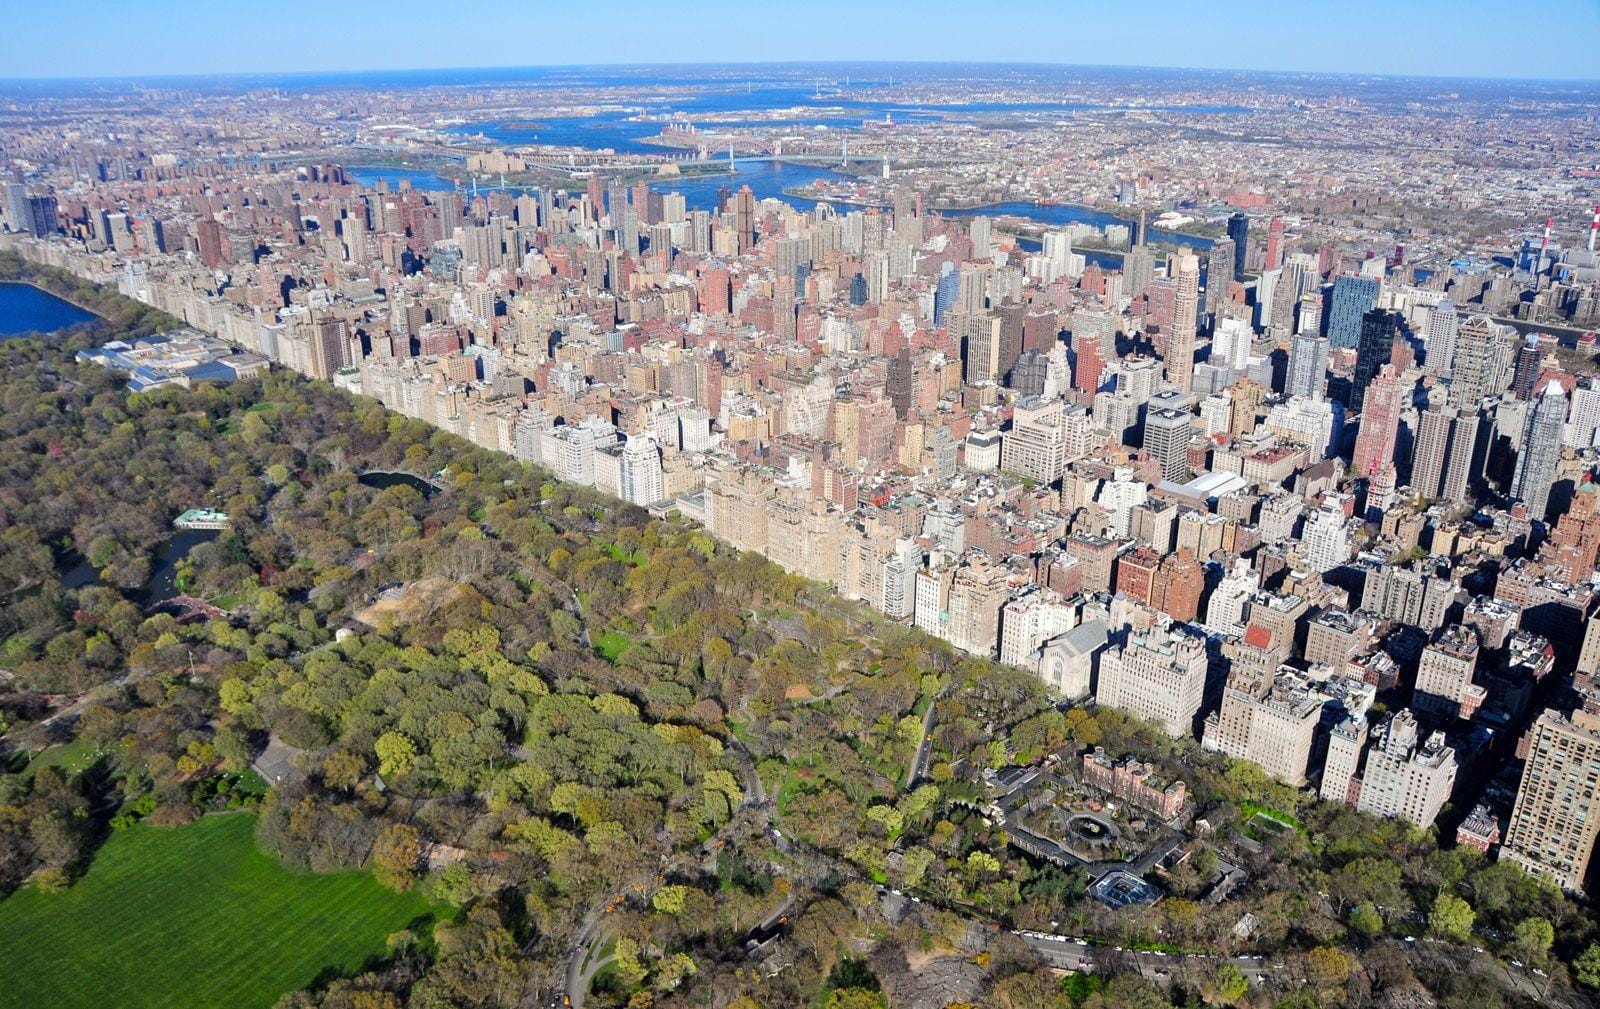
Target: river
{"type": "Point", "coordinates": [766, 177]}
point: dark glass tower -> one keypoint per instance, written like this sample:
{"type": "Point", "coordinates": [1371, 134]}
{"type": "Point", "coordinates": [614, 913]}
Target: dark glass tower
{"type": "Point", "coordinates": [1239, 234]}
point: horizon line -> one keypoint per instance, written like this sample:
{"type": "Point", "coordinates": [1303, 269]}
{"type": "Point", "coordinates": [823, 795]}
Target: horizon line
{"type": "Point", "coordinates": [243, 75]}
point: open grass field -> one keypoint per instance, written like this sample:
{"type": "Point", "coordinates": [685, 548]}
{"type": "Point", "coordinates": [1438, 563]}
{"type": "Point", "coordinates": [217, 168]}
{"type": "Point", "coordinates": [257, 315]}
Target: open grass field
{"type": "Point", "coordinates": [196, 916]}
{"type": "Point", "coordinates": [612, 644]}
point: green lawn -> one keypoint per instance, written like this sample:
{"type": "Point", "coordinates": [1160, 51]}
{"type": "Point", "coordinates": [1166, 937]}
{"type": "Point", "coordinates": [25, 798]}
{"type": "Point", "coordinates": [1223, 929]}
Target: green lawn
{"type": "Point", "coordinates": [195, 916]}
{"type": "Point", "coordinates": [611, 644]}
{"type": "Point", "coordinates": [71, 757]}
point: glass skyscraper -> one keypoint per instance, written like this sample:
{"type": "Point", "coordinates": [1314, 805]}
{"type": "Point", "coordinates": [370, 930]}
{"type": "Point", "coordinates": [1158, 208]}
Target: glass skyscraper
{"type": "Point", "coordinates": [1353, 297]}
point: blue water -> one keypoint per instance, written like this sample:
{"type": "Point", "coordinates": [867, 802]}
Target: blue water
{"type": "Point", "coordinates": [765, 177]}
{"type": "Point", "coordinates": [1067, 213]}
{"type": "Point", "coordinates": [26, 309]}
{"type": "Point", "coordinates": [768, 179]}
{"type": "Point", "coordinates": [613, 130]}
{"type": "Point", "coordinates": [419, 178]}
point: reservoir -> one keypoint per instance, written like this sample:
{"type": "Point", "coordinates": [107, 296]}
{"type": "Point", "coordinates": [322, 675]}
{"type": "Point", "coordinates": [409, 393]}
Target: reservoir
{"type": "Point", "coordinates": [26, 309]}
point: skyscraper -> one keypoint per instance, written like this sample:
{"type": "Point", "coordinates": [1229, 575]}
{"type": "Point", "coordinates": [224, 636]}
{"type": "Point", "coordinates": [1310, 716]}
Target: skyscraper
{"type": "Point", "coordinates": [1219, 273]}
{"type": "Point", "coordinates": [1478, 367]}
{"type": "Point", "coordinates": [1089, 362]}
{"type": "Point", "coordinates": [1138, 267]}
{"type": "Point", "coordinates": [1326, 539]}
{"type": "Point", "coordinates": [1443, 455]}
{"type": "Point", "coordinates": [744, 219]}
{"type": "Point", "coordinates": [1308, 366]}
{"type": "Point", "coordinates": [1439, 336]}
{"type": "Point", "coordinates": [899, 382]}
{"type": "Point", "coordinates": [1374, 349]}
{"type": "Point", "coordinates": [212, 241]}
{"type": "Point", "coordinates": [1380, 421]}
{"type": "Point", "coordinates": [1239, 234]}
{"type": "Point", "coordinates": [1274, 244]}
{"type": "Point", "coordinates": [946, 295]}
{"type": "Point", "coordinates": [1353, 298]}
{"type": "Point", "coordinates": [1186, 306]}
{"type": "Point", "coordinates": [1526, 371]}
{"type": "Point", "coordinates": [1541, 450]}
{"type": "Point", "coordinates": [19, 217]}
{"type": "Point", "coordinates": [1166, 438]}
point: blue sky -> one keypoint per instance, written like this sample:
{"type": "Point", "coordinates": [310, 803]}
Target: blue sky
{"type": "Point", "coordinates": [82, 38]}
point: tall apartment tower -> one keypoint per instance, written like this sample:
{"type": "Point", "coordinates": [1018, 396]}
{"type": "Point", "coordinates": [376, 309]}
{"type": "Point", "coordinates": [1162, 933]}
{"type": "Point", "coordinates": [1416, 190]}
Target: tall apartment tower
{"type": "Point", "coordinates": [1480, 361]}
{"type": "Point", "coordinates": [1185, 314]}
{"type": "Point", "coordinates": [1439, 336]}
{"type": "Point", "coordinates": [213, 242]}
{"type": "Point", "coordinates": [1274, 244]}
{"type": "Point", "coordinates": [744, 219]}
{"type": "Point", "coordinates": [1541, 450]}
{"type": "Point", "coordinates": [1219, 273]}
{"type": "Point", "coordinates": [1341, 767]}
{"type": "Point", "coordinates": [1444, 675]}
{"type": "Point", "coordinates": [1326, 539]}
{"type": "Point", "coordinates": [1380, 422]}
{"type": "Point", "coordinates": [1373, 351]}
{"type": "Point", "coordinates": [1308, 366]}
{"type": "Point", "coordinates": [1557, 814]}
{"type": "Point", "coordinates": [1442, 459]}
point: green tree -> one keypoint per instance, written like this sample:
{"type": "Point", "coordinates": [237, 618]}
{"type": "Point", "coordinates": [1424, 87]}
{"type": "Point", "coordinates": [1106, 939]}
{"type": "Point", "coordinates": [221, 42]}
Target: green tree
{"type": "Point", "coordinates": [856, 998]}
{"type": "Point", "coordinates": [1451, 918]}
{"type": "Point", "coordinates": [1226, 985]}
{"type": "Point", "coordinates": [1531, 940]}
{"type": "Point", "coordinates": [343, 769]}
{"type": "Point", "coordinates": [1327, 967]}
{"type": "Point", "coordinates": [396, 854]}
{"type": "Point", "coordinates": [396, 754]}
{"type": "Point", "coordinates": [1586, 966]}
{"type": "Point", "coordinates": [671, 899]}
{"type": "Point", "coordinates": [1365, 920]}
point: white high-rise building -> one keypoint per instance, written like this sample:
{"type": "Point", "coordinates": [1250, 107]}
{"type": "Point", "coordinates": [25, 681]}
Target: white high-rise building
{"type": "Point", "coordinates": [1035, 447]}
{"type": "Point", "coordinates": [1030, 620]}
{"type": "Point", "coordinates": [1225, 611]}
{"type": "Point", "coordinates": [1231, 342]}
{"type": "Point", "coordinates": [1439, 336]}
{"type": "Point", "coordinates": [1326, 538]}
{"type": "Point", "coordinates": [1406, 778]}
{"type": "Point", "coordinates": [900, 579]}
{"type": "Point", "coordinates": [641, 471]}
{"type": "Point", "coordinates": [1159, 675]}
{"type": "Point", "coordinates": [1119, 496]}
{"type": "Point", "coordinates": [1310, 422]}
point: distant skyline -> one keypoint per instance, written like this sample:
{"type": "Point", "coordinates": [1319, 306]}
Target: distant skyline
{"type": "Point", "coordinates": [1468, 38]}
